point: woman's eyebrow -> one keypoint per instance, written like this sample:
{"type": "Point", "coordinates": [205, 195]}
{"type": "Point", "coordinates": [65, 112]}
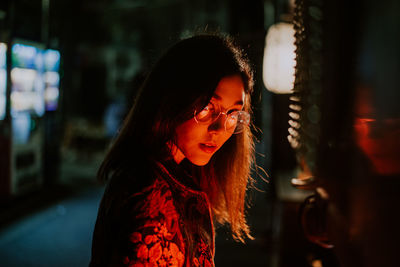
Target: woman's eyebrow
{"type": "Point", "coordinates": [239, 102]}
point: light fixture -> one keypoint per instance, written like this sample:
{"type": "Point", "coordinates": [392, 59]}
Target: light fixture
{"type": "Point", "coordinates": [279, 58]}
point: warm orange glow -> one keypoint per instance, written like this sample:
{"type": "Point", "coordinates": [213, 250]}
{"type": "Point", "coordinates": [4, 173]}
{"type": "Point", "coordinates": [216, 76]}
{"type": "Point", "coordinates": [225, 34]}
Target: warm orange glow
{"type": "Point", "coordinates": [376, 135]}
{"type": "Point", "coordinates": [380, 142]}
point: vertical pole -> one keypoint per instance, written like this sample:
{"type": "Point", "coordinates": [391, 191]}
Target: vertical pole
{"type": "Point", "coordinates": [6, 131]}
{"type": "Point", "coordinates": [45, 22]}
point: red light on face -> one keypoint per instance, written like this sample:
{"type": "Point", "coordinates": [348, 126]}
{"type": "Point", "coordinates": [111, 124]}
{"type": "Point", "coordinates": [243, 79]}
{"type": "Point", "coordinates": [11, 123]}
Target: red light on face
{"type": "Point", "coordinates": [380, 142]}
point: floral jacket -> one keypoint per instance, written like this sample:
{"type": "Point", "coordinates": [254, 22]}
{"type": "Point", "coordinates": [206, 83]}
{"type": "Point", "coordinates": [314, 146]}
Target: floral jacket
{"type": "Point", "coordinates": [167, 223]}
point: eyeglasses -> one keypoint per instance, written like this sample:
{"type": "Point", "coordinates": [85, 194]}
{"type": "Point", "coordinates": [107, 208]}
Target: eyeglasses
{"type": "Point", "coordinates": [236, 120]}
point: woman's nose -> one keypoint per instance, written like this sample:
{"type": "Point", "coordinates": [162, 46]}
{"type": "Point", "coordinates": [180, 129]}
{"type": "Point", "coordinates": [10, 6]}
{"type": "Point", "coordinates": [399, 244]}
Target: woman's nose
{"type": "Point", "coordinates": [218, 125]}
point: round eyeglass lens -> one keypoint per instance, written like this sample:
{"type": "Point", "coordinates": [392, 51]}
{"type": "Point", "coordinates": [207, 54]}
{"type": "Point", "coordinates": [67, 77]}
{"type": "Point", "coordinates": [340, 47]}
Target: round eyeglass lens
{"type": "Point", "coordinates": [237, 120]}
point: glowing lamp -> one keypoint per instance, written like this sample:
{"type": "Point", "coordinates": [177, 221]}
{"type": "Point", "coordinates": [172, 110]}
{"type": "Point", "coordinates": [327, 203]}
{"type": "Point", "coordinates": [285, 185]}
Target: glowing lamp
{"type": "Point", "coordinates": [279, 58]}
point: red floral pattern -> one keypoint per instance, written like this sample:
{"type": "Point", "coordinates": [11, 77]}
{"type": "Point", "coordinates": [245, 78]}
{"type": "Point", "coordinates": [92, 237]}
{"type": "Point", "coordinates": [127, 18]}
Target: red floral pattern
{"type": "Point", "coordinates": [203, 255]}
{"type": "Point", "coordinates": [158, 242]}
{"type": "Point", "coordinates": [152, 227]}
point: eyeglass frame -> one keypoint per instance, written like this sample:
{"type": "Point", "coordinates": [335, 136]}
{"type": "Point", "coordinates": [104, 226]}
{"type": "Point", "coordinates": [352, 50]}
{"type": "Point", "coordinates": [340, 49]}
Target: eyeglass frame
{"type": "Point", "coordinates": [227, 115]}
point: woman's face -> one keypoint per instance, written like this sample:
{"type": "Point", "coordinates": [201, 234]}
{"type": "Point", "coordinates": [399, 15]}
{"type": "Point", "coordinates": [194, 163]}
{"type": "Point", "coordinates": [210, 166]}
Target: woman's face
{"type": "Point", "coordinates": [199, 141]}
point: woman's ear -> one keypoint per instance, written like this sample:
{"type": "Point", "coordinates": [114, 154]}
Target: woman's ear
{"type": "Point", "coordinates": [176, 153]}
{"type": "Point", "coordinates": [172, 147]}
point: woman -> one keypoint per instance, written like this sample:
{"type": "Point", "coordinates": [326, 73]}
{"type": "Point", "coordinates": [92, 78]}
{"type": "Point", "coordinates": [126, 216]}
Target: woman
{"type": "Point", "coordinates": [180, 162]}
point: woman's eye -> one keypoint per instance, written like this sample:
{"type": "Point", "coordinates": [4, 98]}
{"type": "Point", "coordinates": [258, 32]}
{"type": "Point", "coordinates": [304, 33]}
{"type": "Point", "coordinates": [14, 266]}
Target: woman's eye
{"type": "Point", "coordinates": [232, 111]}
{"type": "Point", "coordinates": [205, 111]}
{"type": "Point", "coordinates": [210, 107]}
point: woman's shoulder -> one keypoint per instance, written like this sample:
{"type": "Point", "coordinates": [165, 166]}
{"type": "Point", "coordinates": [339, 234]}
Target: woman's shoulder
{"type": "Point", "coordinates": [153, 201]}
{"type": "Point", "coordinates": [148, 223]}
{"type": "Point", "coordinates": [131, 179]}
{"type": "Point", "coordinates": [132, 187]}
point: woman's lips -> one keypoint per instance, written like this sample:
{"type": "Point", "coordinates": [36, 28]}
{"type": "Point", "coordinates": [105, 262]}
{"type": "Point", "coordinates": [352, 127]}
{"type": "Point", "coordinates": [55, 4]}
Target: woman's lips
{"type": "Point", "coordinates": [208, 148]}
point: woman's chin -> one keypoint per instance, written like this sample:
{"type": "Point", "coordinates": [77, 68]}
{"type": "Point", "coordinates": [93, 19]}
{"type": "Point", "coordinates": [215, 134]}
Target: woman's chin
{"type": "Point", "coordinates": [199, 161]}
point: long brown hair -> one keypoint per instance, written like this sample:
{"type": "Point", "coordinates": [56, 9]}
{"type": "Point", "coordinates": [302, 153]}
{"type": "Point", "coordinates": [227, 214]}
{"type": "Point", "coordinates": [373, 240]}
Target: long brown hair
{"type": "Point", "coordinates": [226, 178]}
{"type": "Point", "coordinates": [185, 79]}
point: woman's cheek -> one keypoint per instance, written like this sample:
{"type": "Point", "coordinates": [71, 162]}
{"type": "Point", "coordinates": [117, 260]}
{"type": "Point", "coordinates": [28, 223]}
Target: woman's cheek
{"type": "Point", "coordinates": [226, 137]}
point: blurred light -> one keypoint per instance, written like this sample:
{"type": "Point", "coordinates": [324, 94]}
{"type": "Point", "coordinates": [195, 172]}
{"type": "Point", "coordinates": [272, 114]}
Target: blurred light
{"type": "Point", "coordinates": [2, 107]}
{"type": "Point", "coordinates": [29, 78]}
{"type": "Point", "coordinates": [52, 78]}
{"type": "Point", "coordinates": [26, 56]}
{"type": "Point", "coordinates": [294, 115]}
{"type": "Point", "coordinates": [51, 95]}
{"type": "Point", "coordinates": [3, 80]}
{"type": "Point", "coordinates": [23, 79]}
{"type": "Point", "coordinates": [22, 101]}
{"type": "Point", "coordinates": [51, 60]}
{"type": "Point", "coordinates": [317, 263]}
{"type": "Point", "coordinates": [24, 51]}
{"type": "Point", "coordinates": [279, 58]}
{"type": "Point", "coordinates": [21, 125]}
{"type": "Point", "coordinates": [27, 92]}
{"type": "Point", "coordinates": [3, 50]}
